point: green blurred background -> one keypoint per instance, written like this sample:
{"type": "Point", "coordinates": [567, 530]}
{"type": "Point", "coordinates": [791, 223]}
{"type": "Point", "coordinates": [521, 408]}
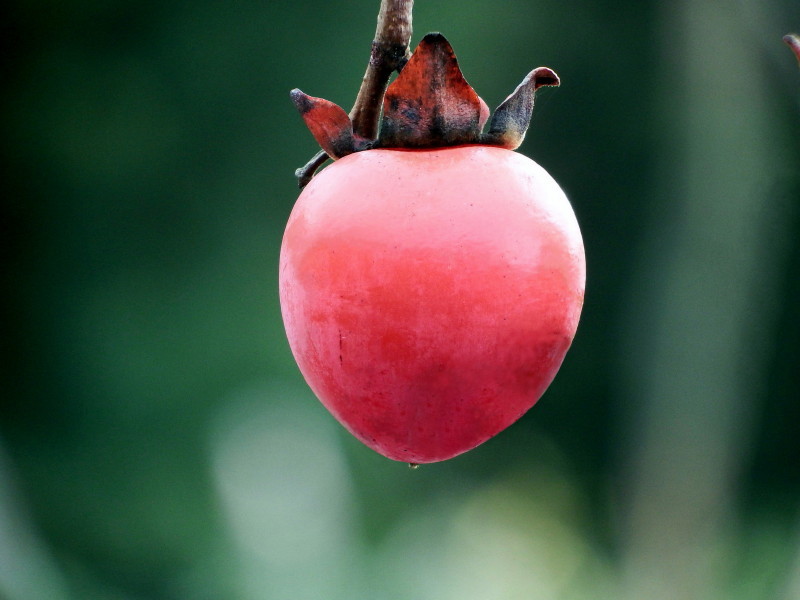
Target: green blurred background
{"type": "Point", "coordinates": [156, 438]}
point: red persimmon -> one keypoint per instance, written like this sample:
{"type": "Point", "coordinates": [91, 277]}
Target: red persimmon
{"type": "Point", "coordinates": [430, 294]}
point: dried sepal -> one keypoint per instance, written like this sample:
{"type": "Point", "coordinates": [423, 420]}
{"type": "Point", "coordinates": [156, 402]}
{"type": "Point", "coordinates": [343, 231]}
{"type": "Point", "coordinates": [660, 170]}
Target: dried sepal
{"type": "Point", "coordinates": [513, 117]}
{"type": "Point", "coordinates": [430, 103]}
{"type": "Point", "coordinates": [329, 124]}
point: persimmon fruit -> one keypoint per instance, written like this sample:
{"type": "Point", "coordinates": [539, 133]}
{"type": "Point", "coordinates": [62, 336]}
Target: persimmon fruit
{"type": "Point", "coordinates": [430, 292]}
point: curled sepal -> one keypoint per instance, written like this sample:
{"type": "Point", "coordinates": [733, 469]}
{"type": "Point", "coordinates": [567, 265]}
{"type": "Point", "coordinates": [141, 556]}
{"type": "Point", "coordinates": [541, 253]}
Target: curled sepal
{"type": "Point", "coordinates": [329, 124]}
{"type": "Point", "coordinates": [512, 118]}
{"type": "Point", "coordinates": [430, 103]}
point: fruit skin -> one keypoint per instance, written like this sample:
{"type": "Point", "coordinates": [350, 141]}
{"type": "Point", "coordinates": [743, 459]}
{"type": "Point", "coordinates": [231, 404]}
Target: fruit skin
{"type": "Point", "coordinates": [429, 296]}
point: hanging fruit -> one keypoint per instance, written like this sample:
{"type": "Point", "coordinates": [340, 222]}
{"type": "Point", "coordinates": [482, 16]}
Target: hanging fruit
{"type": "Point", "coordinates": [431, 278]}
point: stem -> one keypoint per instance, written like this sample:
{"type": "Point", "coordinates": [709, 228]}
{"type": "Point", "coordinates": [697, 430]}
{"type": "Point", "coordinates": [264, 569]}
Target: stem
{"type": "Point", "coordinates": [389, 53]}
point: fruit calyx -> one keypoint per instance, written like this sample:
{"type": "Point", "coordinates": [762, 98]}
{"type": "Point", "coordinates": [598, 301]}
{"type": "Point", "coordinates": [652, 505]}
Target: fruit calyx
{"type": "Point", "coordinates": [429, 105]}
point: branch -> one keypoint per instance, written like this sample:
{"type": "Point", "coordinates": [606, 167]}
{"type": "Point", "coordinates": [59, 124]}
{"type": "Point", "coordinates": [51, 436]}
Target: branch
{"type": "Point", "coordinates": [389, 53]}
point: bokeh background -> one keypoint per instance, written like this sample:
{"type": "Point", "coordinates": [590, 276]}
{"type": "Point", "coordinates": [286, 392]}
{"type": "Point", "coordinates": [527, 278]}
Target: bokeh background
{"type": "Point", "coordinates": [156, 438]}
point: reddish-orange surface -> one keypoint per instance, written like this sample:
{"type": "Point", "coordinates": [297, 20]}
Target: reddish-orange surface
{"type": "Point", "coordinates": [429, 297]}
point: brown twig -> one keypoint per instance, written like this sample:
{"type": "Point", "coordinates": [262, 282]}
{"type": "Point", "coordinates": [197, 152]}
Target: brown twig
{"type": "Point", "coordinates": [389, 53]}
